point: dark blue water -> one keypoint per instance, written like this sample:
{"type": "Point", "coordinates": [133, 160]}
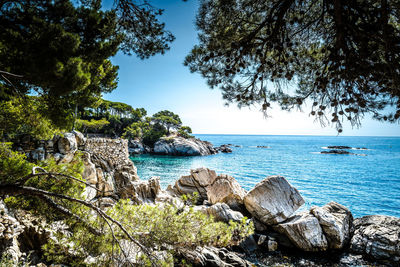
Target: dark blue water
{"type": "Point", "coordinates": [367, 184]}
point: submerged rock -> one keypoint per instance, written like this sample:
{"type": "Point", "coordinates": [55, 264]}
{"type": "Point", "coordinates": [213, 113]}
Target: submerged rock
{"type": "Point", "coordinates": [343, 152]}
{"type": "Point", "coordinates": [304, 232]}
{"type": "Point", "coordinates": [377, 236]}
{"type": "Point", "coordinates": [273, 200]}
{"type": "Point", "coordinates": [179, 146]}
{"type": "Point", "coordinates": [336, 221]}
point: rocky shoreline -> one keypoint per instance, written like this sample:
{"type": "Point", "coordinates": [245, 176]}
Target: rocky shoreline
{"type": "Point", "coordinates": [321, 236]}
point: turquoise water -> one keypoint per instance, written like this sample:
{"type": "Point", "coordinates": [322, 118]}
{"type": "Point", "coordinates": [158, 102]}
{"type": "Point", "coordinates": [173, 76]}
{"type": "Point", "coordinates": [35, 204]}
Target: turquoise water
{"type": "Point", "coordinates": [367, 184]}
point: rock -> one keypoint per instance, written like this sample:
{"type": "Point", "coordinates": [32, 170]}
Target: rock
{"type": "Point", "coordinates": [262, 146]}
{"type": "Point", "coordinates": [179, 146]}
{"type": "Point", "coordinates": [197, 181]}
{"type": "Point", "coordinates": [224, 148]}
{"type": "Point", "coordinates": [67, 144]}
{"type": "Point", "coordinates": [105, 183]}
{"type": "Point", "coordinates": [249, 244]}
{"type": "Point", "coordinates": [273, 200]}
{"type": "Point", "coordinates": [336, 222]}
{"type": "Point", "coordinates": [89, 170]}
{"type": "Point", "coordinates": [136, 147]}
{"type": "Point", "coordinates": [377, 236]}
{"type": "Point", "coordinates": [222, 212]}
{"type": "Point", "coordinates": [339, 147]}
{"type": "Point", "coordinates": [304, 232]}
{"type": "Point", "coordinates": [272, 245]}
{"type": "Point", "coordinates": [214, 257]}
{"type": "Point", "coordinates": [342, 152]}
{"type": "Point", "coordinates": [211, 188]}
{"type": "Point", "coordinates": [80, 138]}
{"type": "Point", "coordinates": [38, 154]}
{"type": "Point", "coordinates": [144, 191]}
{"type": "Point", "coordinates": [259, 226]}
{"type": "Point", "coordinates": [225, 189]}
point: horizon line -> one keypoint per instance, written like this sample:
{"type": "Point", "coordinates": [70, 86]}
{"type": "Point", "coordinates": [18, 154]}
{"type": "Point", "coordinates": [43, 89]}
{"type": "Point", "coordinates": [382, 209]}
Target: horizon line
{"type": "Point", "coordinates": [298, 135]}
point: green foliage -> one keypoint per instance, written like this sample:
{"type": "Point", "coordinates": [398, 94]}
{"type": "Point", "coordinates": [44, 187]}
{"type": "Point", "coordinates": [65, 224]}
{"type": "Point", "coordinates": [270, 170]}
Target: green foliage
{"type": "Point", "coordinates": [167, 119]}
{"type": "Point", "coordinates": [61, 49]}
{"type": "Point", "coordinates": [25, 116]}
{"type": "Point", "coordinates": [13, 165]}
{"type": "Point", "coordinates": [163, 228]}
{"type": "Point", "coordinates": [93, 125]}
{"type": "Point", "coordinates": [153, 134]}
{"type": "Point", "coordinates": [340, 58]}
{"type": "Point", "coordinates": [185, 132]}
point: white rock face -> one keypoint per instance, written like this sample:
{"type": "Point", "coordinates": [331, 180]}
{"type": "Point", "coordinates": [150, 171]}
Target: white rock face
{"type": "Point", "coordinates": [183, 147]}
{"type": "Point", "coordinates": [273, 200]}
{"type": "Point", "coordinates": [336, 221]}
{"type": "Point", "coordinates": [377, 236]}
{"type": "Point", "coordinates": [67, 144]}
{"type": "Point", "coordinates": [225, 189]}
{"type": "Point", "coordinates": [304, 232]}
{"type": "Point", "coordinates": [222, 212]}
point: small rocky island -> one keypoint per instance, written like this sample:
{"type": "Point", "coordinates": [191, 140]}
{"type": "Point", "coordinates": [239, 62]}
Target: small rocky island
{"type": "Point", "coordinates": [178, 146]}
{"type": "Point", "coordinates": [282, 234]}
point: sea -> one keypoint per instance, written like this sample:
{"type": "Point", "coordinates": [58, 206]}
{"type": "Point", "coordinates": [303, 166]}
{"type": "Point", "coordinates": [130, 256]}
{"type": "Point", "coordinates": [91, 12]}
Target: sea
{"type": "Point", "coordinates": [367, 181]}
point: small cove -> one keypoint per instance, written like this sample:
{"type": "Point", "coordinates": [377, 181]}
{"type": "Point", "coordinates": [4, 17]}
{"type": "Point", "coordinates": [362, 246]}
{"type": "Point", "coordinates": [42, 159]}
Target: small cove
{"type": "Point", "coordinates": [367, 184]}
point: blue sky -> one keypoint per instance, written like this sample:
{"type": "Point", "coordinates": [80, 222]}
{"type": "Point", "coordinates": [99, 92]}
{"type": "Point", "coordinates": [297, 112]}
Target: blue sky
{"type": "Point", "coordinates": [162, 82]}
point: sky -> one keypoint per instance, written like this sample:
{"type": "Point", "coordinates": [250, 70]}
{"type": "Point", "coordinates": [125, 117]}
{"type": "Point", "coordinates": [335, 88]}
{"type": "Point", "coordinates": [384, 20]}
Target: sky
{"type": "Point", "coordinates": [162, 82]}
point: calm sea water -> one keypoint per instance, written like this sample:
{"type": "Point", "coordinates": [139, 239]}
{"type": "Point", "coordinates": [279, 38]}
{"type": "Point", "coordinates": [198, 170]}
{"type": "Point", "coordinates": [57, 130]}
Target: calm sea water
{"type": "Point", "coordinates": [367, 184]}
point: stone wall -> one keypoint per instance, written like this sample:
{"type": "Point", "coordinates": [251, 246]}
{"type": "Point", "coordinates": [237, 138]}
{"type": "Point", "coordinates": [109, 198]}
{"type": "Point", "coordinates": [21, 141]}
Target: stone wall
{"type": "Point", "coordinates": [106, 161]}
{"type": "Point", "coordinates": [112, 150]}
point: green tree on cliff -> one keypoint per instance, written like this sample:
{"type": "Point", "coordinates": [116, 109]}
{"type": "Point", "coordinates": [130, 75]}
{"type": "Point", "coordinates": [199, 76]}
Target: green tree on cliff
{"type": "Point", "coordinates": [341, 57]}
{"type": "Point", "coordinates": [167, 119]}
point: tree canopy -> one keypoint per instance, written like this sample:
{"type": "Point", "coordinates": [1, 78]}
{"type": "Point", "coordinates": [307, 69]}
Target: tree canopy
{"type": "Point", "coordinates": [60, 50]}
{"type": "Point", "coordinates": [341, 57]}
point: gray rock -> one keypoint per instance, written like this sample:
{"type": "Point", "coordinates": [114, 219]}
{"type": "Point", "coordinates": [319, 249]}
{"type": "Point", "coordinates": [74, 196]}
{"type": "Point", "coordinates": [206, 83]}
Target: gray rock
{"type": "Point", "coordinates": [225, 189]}
{"type": "Point", "coordinates": [80, 138]}
{"type": "Point", "coordinates": [222, 212]}
{"type": "Point", "coordinates": [336, 222]}
{"type": "Point", "coordinates": [67, 144]}
{"type": "Point", "coordinates": [377, 236]}
{"type": "Point", "coordinates": [179, 146]}
{"type": "Point", "coordinates": [214, 257]}
{"type": "Point", "coordinates": [136, 147]}
{"type": "Point", "coordinates": [304, 232]}
{"type": "Point", "coordinates": [197, 181]}
{"type": "Point", "coordinates": [38, 154]}
{"type": "Point", "coordinates": [273, 200]}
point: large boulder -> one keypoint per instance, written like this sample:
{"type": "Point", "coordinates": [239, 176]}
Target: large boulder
{"type": "Point", "coordinates": [143, 191]}
{"type": "Point", "coordinates": [336, 222]}
{"type": "Point", "coordinates": [377, 236]}
{"type": "Point", "coordinates": [179, 146]}
{"type": "Point", "coordinates": [198, 180]}
{"type": "Point", "coordinates": [225, 189]}
{"type": "Point", "coordinates": [67, 144]}
{"type": "Point", "coordinates": [210, 187]}
{"type": "Point", "coordinates": [273, 200]}
{"type": "Point", "coordinates": [304, 232]}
